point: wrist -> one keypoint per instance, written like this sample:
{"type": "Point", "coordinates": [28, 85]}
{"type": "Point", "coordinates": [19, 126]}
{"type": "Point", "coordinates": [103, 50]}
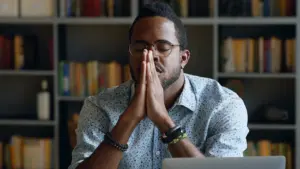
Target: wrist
{"type": "Point", "coordinates": [166, 124]}
{"type": "Point", "coordinates": [123, 129]}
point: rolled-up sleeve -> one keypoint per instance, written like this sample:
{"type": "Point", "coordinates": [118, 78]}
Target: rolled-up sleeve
{"type": "Point", "coordinates": [228, 129]}
{"type": "Point", "coordinates": [90, 131]}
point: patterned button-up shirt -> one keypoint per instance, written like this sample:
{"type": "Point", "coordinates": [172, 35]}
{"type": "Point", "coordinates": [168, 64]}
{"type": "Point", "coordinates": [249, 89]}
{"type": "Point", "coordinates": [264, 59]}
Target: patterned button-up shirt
{"type": "Point", "coordinates": [214, 117]}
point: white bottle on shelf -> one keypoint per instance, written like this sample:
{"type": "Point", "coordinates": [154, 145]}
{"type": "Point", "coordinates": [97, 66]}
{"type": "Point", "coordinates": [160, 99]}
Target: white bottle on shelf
{"type": "Point", "coordinates": [43, 102]}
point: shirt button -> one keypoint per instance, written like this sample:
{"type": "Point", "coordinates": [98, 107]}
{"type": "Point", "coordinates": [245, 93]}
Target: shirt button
{"type": "Point", "coordinates": [157, 153]}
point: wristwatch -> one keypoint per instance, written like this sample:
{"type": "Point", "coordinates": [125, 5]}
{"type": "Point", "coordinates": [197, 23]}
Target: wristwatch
{"type": "Point", "coordinates": [172, 134]}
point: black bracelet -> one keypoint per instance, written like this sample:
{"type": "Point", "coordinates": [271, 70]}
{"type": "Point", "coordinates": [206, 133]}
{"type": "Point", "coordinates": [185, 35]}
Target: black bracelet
{"type": "Point", "coordinates": [172, 134]}
{"type": "Point", "coordinates": [171, 130]}
{"type": "Point", "coordinates": [109, 140]}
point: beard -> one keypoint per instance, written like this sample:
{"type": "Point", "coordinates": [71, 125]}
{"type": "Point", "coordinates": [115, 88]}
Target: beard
{"type": "Point", "coordinates": [165, 82]}
{"type": "Point", "coordinates": [174, 76]}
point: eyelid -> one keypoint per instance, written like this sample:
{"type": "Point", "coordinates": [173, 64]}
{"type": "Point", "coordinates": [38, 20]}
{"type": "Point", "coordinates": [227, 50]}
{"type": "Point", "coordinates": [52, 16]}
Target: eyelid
{"type": "Point", "coordinates": [163, 41]}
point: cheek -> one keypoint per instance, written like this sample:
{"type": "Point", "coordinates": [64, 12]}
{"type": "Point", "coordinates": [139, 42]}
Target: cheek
{"type": "Point", "coordinates": [170, 65]}
{"type": "Point", "coordinates": [167, 73]}
{"type": "Point", "coordinates": [134, 68]}
{"type": "Point", "coordinates": [133, 63]}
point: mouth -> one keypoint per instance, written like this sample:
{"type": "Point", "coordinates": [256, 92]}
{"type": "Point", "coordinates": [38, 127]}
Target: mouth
{"type": "Point", "coordinates": [158, 68]}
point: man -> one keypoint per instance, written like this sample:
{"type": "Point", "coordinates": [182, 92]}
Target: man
{"type": "Point", "coordinates": [162, 112]}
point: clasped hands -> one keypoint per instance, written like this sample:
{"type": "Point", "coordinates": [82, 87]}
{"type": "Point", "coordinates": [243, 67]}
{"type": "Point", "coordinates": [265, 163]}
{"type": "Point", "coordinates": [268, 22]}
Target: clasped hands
{"type": "Point", "coordinates": [148, 100]}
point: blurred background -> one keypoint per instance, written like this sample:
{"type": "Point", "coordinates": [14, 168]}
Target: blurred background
{"type": "Point", "coordinates": [55, 53]}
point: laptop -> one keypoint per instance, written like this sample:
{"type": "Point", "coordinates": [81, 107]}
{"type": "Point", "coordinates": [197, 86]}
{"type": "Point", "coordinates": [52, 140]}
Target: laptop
{"type": "Point", "coordinates": [252, 162]}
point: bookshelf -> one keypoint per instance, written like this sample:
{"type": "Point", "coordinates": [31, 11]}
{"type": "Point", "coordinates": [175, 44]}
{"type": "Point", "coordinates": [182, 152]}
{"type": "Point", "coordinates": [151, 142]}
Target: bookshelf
{"type": "Point", "coordinates": [82, 39]}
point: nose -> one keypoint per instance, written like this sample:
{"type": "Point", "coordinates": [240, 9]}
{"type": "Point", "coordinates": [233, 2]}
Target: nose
{"type": "Point", "coordinates": [155, 52]}
{"type": "Point", "coordinates": [151, 47]}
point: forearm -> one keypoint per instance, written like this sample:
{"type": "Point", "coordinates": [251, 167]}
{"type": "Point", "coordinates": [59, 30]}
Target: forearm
{"type": "Point", "coordinates": [107, 156]}
{"type": "Point", "coordinates": [183, 148]}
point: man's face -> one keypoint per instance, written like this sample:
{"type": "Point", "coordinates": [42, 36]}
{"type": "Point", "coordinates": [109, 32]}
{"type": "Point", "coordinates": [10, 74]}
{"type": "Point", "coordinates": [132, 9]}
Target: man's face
{"type": "Point", "coordinates": [161, 32]}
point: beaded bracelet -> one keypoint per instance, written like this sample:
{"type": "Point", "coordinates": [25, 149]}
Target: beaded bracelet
{"type": "Point", "coordinates": [181, 137]}
{"type": "Point", "coordinates": [109, 140]}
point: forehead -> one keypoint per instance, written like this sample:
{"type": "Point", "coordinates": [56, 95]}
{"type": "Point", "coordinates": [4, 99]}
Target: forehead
{"type": "Point", "coordinates": [151, 29]}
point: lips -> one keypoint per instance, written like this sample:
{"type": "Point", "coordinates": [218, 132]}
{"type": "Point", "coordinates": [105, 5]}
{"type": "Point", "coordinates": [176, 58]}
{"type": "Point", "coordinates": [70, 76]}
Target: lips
{"type": "Point", "coordinates": [158, 69]}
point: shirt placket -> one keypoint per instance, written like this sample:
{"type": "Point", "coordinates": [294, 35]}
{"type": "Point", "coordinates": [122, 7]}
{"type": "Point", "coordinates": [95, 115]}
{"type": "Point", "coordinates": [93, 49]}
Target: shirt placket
{"type": "Point", "coordinates": [157, 150]}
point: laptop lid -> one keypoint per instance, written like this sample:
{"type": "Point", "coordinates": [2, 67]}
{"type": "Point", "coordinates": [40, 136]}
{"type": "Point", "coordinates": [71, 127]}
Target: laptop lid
{"type": "Point", "coordinates": [254, 162]}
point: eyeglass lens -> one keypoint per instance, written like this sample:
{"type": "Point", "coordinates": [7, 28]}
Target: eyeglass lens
{"type": "Point", "coordinates": [161, 48]}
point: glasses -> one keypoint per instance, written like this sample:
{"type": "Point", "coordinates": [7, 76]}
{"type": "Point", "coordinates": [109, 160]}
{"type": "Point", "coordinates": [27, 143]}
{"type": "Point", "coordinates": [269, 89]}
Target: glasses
{"type": "Point", "coordinates": [161, 48]}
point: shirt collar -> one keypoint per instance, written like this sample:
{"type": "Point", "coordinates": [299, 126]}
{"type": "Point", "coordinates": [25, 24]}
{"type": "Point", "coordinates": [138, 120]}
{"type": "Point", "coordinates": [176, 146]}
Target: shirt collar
{"type": "Point", "coordinates": [187, 98]}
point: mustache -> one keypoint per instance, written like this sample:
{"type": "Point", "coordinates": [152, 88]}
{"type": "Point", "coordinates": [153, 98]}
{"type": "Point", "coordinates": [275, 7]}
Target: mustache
{"type": "Point", "coordinates": [158, 66]}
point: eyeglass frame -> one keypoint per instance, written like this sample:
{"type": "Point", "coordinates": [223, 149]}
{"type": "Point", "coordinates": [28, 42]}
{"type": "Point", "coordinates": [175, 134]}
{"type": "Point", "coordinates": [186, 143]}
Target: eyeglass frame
{"type": "Point", "coordinates": [146, 45]}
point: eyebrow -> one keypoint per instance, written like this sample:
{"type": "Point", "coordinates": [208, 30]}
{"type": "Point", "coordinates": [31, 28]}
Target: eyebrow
{"type": "Point", "coordinates": [159, 40]}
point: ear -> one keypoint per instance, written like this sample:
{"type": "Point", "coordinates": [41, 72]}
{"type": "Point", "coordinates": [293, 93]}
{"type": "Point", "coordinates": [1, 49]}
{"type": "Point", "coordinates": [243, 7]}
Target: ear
{"type": "Point", "coordinates": [185, 56]}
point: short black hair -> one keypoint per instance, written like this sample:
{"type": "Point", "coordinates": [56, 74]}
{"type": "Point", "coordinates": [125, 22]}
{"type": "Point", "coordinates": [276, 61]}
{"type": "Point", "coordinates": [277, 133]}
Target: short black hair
{"type": "Point", "coordinates": [164, 10]}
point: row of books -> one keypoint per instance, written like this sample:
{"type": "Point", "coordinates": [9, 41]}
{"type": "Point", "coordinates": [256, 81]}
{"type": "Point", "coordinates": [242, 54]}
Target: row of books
{"type": "Point", "coordinates": [95, 8]}
{"type": "Point", "coordinates": [89, 78]}
{"type": "Point", "coordinates": [26, 153]}
{"type": "Point", "coordinates": [264, 55]}
{"type": "Point", "coordinates": [189, 8]}
{"type": "Point", "coordinates": [22, 52]}
{"type": "Point", "coordinates": [26, 8]}
{"type": "Point", "coordinates": [257, 7]}
{"type": "Point", "coordinates": [268, 148]}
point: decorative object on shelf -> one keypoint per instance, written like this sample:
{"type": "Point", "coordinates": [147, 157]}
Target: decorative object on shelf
{"type": "Point", "coordinates": [43, 102]}
{"type": "Point", "coordinates": [270, 113]}
{"type": "Point", "coordinates": [273, 113]}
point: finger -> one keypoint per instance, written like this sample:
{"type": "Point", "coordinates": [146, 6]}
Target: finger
{"type": "Point", "coordinates": [141, 86]}
{"type": "Point", "coordinates": [145, 53]}
{"type": "Point", "coordinates": [149, 68]}
{"type": "Point", "coordinates": [143, 67]}
{"type": "Point", "coordinates": [142, 79]}
{"type": "Point", "coordinates": [153, 69]}
{"type": "Point", "coordinates": [147, 56]}
{"type": "Point", "coordinates": [143, 73]}
{"type": "Point", "coordinates": [149, 74]}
